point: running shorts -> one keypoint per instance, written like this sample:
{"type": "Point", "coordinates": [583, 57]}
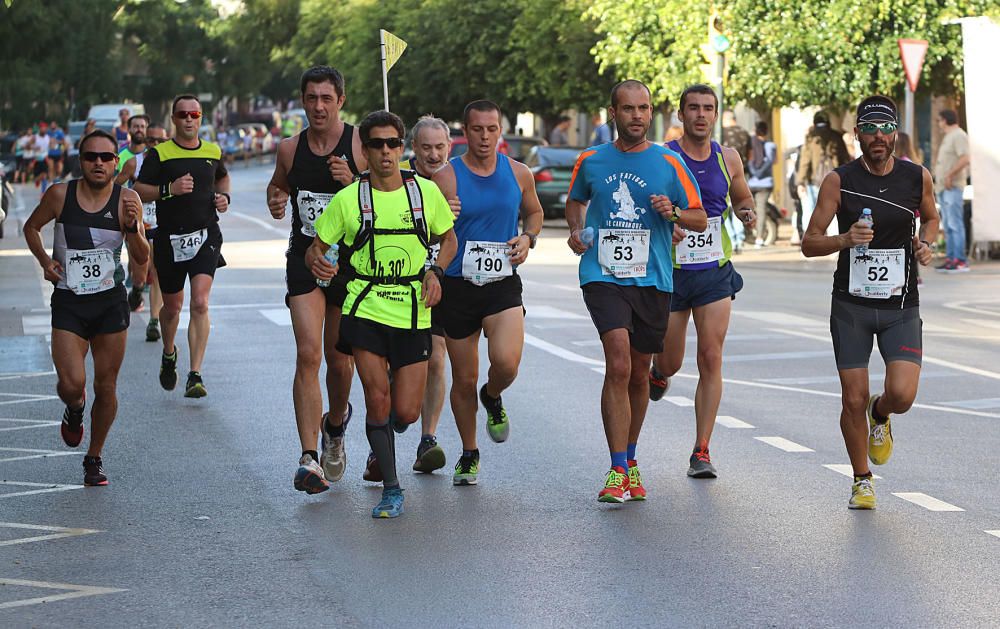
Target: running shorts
{"type": "Point", "coordinates": [300, 281]}
{"type": "Point", "coordinates": [694, 288]}
{"type": "Point", "coordinates": [642, 310]}
{"type": "Point", "coordinates": [172, 274]}
{"type": "Point", "coordinates": [401, 347]}
{"type": "Point", "coordinates": [90, 315]}
{"type": "Point", "coordinates": [464, 305]}
{"type": "Point", "coordinates": [853, 326]}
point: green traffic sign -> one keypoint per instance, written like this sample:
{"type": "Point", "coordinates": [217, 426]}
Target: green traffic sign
{"type": "Point", "coordinates": [720, 43]}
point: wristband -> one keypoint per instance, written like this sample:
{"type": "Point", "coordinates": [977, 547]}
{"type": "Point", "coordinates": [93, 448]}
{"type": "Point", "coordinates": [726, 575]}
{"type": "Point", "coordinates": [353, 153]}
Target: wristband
{"type": "Point", "coordinates": [926, 243]}
{"type": "Point", "coordinates": [165, 190]}
{"type": "Point", "coordinates": [134, 230]}
{"type": "Point", "coordinates": [436, 270]}
{"type": "Point", "coordinates": [531, 237]}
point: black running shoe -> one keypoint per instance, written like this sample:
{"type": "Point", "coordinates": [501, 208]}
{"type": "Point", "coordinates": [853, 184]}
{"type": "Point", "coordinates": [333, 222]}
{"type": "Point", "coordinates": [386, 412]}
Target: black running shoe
{"type": "Point", "coordinates": [700, 465]}
{"type": "Point", "coordinates": [153, 331]}
{"type": "Point", "coordinates": [93, 472]}
{"type": "Point", "coordinates": [430, 456]}
{"type": "Point", "coordinates": [135, 298]}
{"type": "Point", "coordinates": [658, 384]}
{"type": "Point", "coordinates": [195, 387]}
{"type": "Point", "coordinates": [372, 472]}
{"type": "Point", "coordinates": [72, 426]}
{"type": "Point", "coordinates": [168, 371]}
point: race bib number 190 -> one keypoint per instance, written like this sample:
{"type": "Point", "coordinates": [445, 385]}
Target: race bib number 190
{"type": "Point", "coordinates": [484, 262]}
{"type": "Point", "coordinates": [623, 252]}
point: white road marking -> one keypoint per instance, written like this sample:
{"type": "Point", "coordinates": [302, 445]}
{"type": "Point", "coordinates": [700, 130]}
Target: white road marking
{"type": "Point", "coordinates": [962, 305]}
{"type": "Point", "coordinates": [260, 223]}
{"type": "Point", "coordinates": [784, 444]}
{"type": "Point", "coordinates": [731, 422]}
{"type": "Point", "coordinates": [991, 402]}
{"type": "Point", "coordinates": [590, 343]}
{"type": "Point", "coordinates": [748, 358]}
{"type": "Point", "coordinates": [45, 488]}
{"type": "Point", "coordinates": [36, 325]}
{"type": "Point", "coordinates": [565, 354]}
{"type": "Point", "coordinates": [27, 453]}
{"type": "Point", "coordinates": [33, 374]}
{"type": "Point", "coordinates": [845, 469]}
{"type": "Point", "coordinates": [927, 502]}
{"type": "Point", "coordinates": [548, 312]}
{"type": "Point", "coordinates": [26, 397]}
{"type": "Point", "coordinates": [278, 316]}
{"type": "Point", "coordinates": [993, 533]}
{"type": "Point", "coordinates": [678, 400]}
{"type": "Point", "coordinates": [872, 376]}
{"type": "Point", "coordinates": [780, 318]}
{"type": "Point", "coordinates": [75, 591]}
{"type": "Point", "coordinates": [31, 423]}
{"type": "Point", "coordinates": [55, 532]}
{"type": "Point", "coordinates": [983, 323]}
{"type": "Point", "coordinates": [547, 286]}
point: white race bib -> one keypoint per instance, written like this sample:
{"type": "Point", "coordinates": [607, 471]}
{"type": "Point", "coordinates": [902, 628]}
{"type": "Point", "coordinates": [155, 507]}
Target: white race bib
{"type": "Point", "coordinates": [149, 215]}
{"type": "Point", "coordinates": [623, 252]}
{"type": "Point", "coordinates": [90, 271]}
{"type": "Point", "coordinates": [311, 206]}
{"type": "Point", "coordinates": [878, 273]}
{"type": "Point", "coordinates": [701, 247]}
{"type": "Point", "coordinates": [484, 262]}
{"type": "Point", "coordinates": [187, 246]}
{"type": "Point", "coordinates": [432, 255]}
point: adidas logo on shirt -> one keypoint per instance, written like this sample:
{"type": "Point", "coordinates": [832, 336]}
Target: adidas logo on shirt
{"type": "Point", "coordinates": [108, 214]}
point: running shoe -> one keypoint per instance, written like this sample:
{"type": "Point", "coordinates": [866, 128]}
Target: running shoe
{"type": "Point", "coordinates": [333, 457]}
{"type": "Point", "coordinates": [135, 298]}
{"type": "Point", "coordinates": [72, 426]}
{"type": "Point", "coordinates": [372, 472]}
{"type": "Point", "coordinates": [497, 423]}
{"type": "Point", "coordinates": [701, 465]}
{"type": "Point", "coordinates": [93, 472]}
{"type": "Point", "coordinates": [879, 436]}
{"type": "Point", "coordinates": [195, 387]}
{"type": "Point", "coordinates": [430, 456]}
{"type": "Point", "coordinates": [153, 331]}
{"type": "Point", "coordinates": [309, 477]}
{"type": "Point", "coordinates": [949, 264]}
{"type": "Point", "coordinates": [168, 371]}
{"type": "Point", "coordinates": [658, 384]}
{"type": "Point", "coordinates": [635, 489]}
{"type": "Point", "coordinates": [391, 505]}
{"type": "Point", "coordinates": [616, 487]}
{"type": "Point", "coordinates": [959, 266]}
{"type": "Point", "coordinates": [466, 471]}
{"type": "Point", "coordinates": [862, 494]}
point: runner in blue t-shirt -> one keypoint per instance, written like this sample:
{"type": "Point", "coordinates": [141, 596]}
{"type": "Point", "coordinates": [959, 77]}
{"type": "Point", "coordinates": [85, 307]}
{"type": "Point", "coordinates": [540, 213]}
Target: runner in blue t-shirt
{"type": "Point", "coordinates": [636, 191]}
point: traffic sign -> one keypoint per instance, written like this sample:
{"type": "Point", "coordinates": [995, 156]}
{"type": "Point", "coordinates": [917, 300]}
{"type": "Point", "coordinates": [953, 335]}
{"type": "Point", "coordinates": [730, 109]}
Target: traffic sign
{"type": "Point", "coordinates": [912, 52]}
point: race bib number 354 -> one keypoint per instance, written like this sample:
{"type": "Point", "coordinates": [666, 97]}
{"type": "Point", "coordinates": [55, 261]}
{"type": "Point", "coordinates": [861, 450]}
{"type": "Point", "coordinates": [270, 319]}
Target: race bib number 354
{"type": "Point", "coordinates": [623, 252]}
{"type": "Point", "coordinates": [700, 247]}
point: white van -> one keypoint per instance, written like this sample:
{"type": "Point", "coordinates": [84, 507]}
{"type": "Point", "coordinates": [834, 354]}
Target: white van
{"type": "Point", "coordinates": [106, 115]}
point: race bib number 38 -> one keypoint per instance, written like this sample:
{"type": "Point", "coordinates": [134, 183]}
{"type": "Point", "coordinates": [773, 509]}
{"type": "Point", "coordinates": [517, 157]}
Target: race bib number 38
{"type": "Point", "coordinates": [90, 271]}
{"type": "Point", "coordinates": [700, 247]}
{"type": "Point", "coordinates": [187, 246]}
{"type": "Point", "coordinates": [878, 273]}
{"type": "Point", "coordinates": [623, 252]}
{"type": "Point", "coordinates": [484, 262]}
{"type": "Point", "coordinates": [311, 206]}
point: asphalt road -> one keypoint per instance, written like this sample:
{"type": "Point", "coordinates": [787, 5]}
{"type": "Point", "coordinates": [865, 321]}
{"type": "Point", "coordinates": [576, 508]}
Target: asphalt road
{"type": "Point", "coordinates": [200, 525]}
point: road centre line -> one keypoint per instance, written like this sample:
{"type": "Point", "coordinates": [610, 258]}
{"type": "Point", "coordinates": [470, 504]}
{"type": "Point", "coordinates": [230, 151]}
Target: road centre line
{"type": "Point", "coordinates": [731, 422]}
{"type": "Point", "coordinates": [54, 532]}
{"type": "Point", "coordinates": [927, 502]}
{"type": "Point", "coordinates": [75, 591]}
{"type": "Point", "coordinates": [784, 444]}
{"type": "Point", "coordinates": [845, 469]}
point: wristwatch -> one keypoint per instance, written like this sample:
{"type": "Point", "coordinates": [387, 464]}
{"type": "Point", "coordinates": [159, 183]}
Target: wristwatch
{"type": "Point", "coordinates": [436, 270]}
{"type": "Point", "coordinates": [675, 214]}
{"type": "Point", "coordinates": [533, 238]}
{"type": "Point", "coordinates": [133, 230]}
{"type": "Point", "coordinates": [165, 190]}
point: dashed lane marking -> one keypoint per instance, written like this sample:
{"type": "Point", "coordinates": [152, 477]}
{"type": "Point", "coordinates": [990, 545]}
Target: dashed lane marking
{"type": "Point", "coordinates": [29, 423]}
{"type": "Point", "coordinates": [260, 223]}
{"type": "Point", "coordinates": [845, 469]}
{"type": "Point", "coordinates": [731, 422]}
{"type": "Point", "coordinates": [992, 402]}
{"type": "Point", "coordinates": [784, 444]}
{"type": "Point", "coordinates": [32, 374]}
{"type": "Point", "coordinates": [41, 488]}
{"type": "Point", "coordinates": [25, 397]}
{"type": "Point", "coordinates": [75, 591]}
{"type": "Point", "coordinates": [278, 316]}
{"type": "Point", "coordinates": [927, 502]}
{"type": "Point", "coordinates": [993, 533]}
{"type": "Point", "coordinates": [23, 454]}
{"type": "Point", "coordinates": [678, 400]}
{"type": "Point", "coordinates": [565, 354]}
{"type": "Point", "coordinates": [54, 532]}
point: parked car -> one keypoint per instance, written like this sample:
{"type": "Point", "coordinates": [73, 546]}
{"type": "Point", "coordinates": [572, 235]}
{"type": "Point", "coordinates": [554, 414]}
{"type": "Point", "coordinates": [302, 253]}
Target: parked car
{"type": "Point", "coordinates": [108, 113]}
{"type": "Point", "coordinates": [552, 168]}
{"type": "Point", "coordinates": [518, 146]}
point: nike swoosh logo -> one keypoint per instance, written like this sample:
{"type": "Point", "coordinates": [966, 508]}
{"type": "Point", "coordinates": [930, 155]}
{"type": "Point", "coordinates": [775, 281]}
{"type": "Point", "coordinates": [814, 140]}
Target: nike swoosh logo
{"type": "Point", "coordinates": [881, 190]}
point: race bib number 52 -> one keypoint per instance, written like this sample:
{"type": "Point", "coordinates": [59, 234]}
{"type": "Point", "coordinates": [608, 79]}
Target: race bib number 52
{"type": "Point", "coordinates": [877, 273]}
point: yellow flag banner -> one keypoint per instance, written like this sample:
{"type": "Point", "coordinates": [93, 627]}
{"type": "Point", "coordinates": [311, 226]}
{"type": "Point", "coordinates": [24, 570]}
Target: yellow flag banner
{"type": "Point", "coordinates": [394, 48]}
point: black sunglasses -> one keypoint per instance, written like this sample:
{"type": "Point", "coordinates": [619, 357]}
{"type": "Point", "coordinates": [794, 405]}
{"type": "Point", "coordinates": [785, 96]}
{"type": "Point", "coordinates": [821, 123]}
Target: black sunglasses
{"type": "Point", "coordinates": [379, 143]}
{"type": "Point", "coordinates": [91, 156]}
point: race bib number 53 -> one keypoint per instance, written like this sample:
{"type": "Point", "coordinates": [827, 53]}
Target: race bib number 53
{"type": "Point", "coordinates": [623, 252]}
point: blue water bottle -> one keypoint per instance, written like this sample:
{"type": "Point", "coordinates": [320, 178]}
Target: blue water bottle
{"type": "Point", "coordinates": [331, 255]}
{"type": "Point", "coordinates": [586, 237]}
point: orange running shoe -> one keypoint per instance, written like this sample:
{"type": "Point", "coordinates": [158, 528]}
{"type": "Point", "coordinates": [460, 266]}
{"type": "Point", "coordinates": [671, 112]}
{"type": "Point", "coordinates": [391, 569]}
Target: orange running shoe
{"type": "Point", "coordinates": [635, 489]}
{"type": "Point", "coordinates": [615, 486]}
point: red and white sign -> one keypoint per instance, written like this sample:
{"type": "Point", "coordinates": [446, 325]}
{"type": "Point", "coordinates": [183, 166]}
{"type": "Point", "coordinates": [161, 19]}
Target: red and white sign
{"type": "Point", "coordinates": [912, 51]}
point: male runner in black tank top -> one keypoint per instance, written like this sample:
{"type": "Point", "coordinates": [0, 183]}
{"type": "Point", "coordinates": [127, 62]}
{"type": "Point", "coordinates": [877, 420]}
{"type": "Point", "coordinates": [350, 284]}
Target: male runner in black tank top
{"type": "Point", "coordinates": [89, 308]}
{"type": "Point", "coordinates": [875, 287]}
{"type": "Point", "coordinates": [310, 168]}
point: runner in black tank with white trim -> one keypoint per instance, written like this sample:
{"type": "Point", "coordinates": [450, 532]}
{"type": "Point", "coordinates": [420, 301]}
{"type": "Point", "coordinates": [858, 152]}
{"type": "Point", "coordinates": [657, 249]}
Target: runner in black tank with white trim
{"type": "Point", "coordinates": [310, 169]}
{"type": "Point", "coordinates": [93, 218]}
{"type": "Point", "coordinates": [875, 284]}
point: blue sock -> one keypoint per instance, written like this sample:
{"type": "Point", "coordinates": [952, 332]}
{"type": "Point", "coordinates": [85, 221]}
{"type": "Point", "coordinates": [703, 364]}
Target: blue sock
{"type": "Point", "coordinates": [631, 452]}
{"type": "Point", "coordinates": [619, 459]}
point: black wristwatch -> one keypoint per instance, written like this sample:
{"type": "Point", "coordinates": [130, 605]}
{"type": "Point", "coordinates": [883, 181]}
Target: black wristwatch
{"type": "Point", "coordinates": [134, 230]}
{"type": "Point", "coordinates": [436, 270]}
{"type": "Point", "coordinates": [165, 190]}
{"type": "Point", "coordinates": [675, 214]}
{"type": "Point", "coordinates": [533, 238]}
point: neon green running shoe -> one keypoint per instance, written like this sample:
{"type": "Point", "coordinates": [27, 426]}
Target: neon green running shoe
{"type": "Point", "coordinates": [466, 471]}
{"type": "Point", "coordinates": [879, 436]}
{"type": "Point", "coordinates": [497, 422]}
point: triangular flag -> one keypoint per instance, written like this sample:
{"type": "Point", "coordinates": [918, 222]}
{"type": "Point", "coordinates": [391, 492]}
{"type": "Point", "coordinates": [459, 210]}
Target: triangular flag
{"type": "Point", "coordinates": [394, 48]}
{"type": "Point", "coordinates": [912, 51]}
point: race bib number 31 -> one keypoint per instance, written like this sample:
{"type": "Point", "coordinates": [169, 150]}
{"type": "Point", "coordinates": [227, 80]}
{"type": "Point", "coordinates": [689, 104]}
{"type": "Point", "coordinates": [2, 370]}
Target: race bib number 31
{"type": "Point", "coordinates": [311, 206]}
{"type": "Point", "coordinates": [187, 246]}
{"type": "Point", "coordinates": [700, 247]}
{"type": "Point", "coordinates": [484, 262]}
{"type": "Point", "coordinates": [623, 252]}
{"type": "Point", "coordinates": [90, 271]}
{"type": "Point", "coordinates": [878, 273]}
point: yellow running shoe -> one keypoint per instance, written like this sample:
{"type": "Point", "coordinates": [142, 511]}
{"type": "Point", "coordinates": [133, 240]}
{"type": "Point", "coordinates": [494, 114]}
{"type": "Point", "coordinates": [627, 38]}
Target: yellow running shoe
{"type": "Point", "coordinates": [879, 436]}
{"type": "Point", "coordinates": [862, 494]}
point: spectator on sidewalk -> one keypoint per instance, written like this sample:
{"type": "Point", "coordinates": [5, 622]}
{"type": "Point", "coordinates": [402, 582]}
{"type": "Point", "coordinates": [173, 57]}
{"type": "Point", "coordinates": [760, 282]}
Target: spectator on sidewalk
{"type": "Point", "coordinates": [951, 171]}
{"type": "Point", "coordinates": [602, 131]}
{"type": "Point", "coordinates": [822, 151]}
{"type": "Point", "coordinates": [560, 134]}
{"type": "Point", "coordinates": [734, 136]}
{"type": "Point", "coordinates": [906, 150]}
{"type": "Point", "coordinates": [761, 180]}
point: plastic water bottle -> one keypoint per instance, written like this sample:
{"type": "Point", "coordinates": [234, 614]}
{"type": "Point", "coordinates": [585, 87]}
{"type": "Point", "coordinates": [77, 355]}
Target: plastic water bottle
{"type": "Point", "coordinates": [586, 237]}
{"type": "Point", "coordinates": [866, 220]}
{"type": "Point", "coordinates": [331, 256]}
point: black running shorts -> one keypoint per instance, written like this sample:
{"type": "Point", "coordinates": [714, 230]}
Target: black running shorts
{"type": "Point", "coordinates": [642, 310]}
{"type": "Point", "coordinates": [90, 315]}
{"type": "Point", "coordinates": [172, 274]}
{"type": "Point", "coordinates": [300, 281]}
{"type": "Point", "coordinates": [899, 333]}
{"type": "Point", "coordinates": [464, 305]}
{"type": "Point", "coordinates": [401, 347]}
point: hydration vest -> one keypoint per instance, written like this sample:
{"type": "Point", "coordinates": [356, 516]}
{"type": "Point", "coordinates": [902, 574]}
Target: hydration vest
{"type": "Point", "coordinates": [366, 237]}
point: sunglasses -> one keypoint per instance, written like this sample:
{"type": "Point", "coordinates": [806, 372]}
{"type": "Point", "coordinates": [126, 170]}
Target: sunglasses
{"type": "Point", "coordinates": [92, 156]}
{"type": "Point", "coordinates": [870, 128]}
{"type": "Point", "coordinates": [191, 115]}
{"type": "Point", "coordinates": [379, 143]}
